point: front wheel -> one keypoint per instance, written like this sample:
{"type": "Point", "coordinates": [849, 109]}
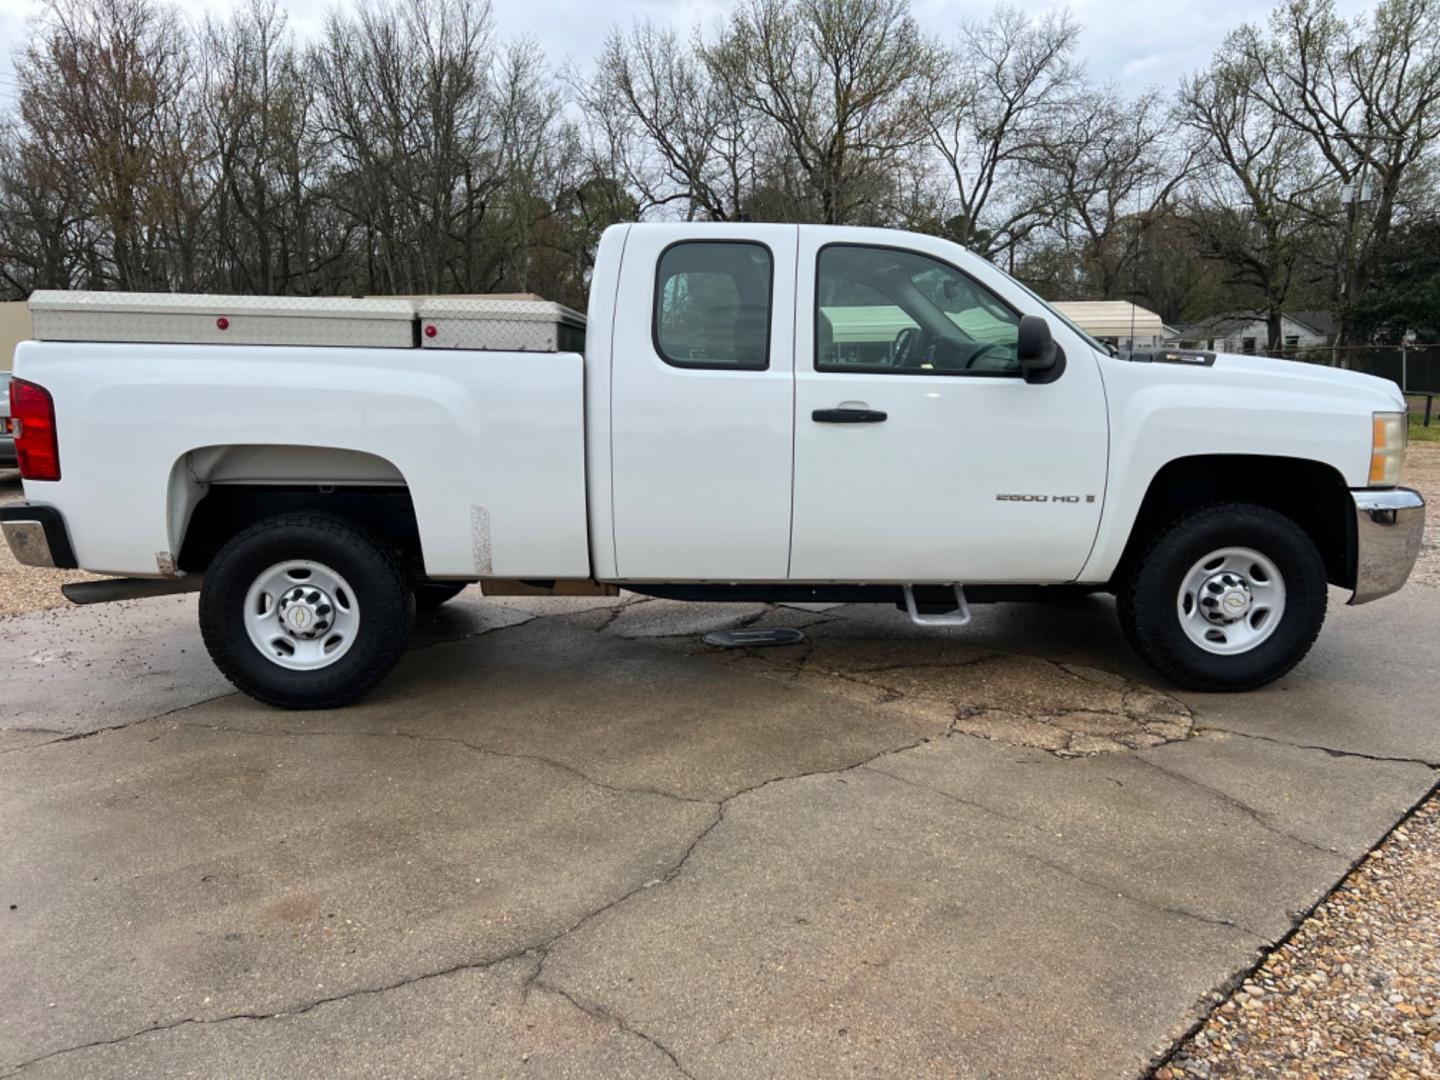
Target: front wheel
{"type": "Point", "coordinates": [305, 611]}
{"type": "Point", "coordinates": [1227, 597]}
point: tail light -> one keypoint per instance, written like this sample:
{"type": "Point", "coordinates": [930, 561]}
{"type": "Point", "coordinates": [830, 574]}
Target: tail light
{"type": "Point", "coordinates": [37, 445]}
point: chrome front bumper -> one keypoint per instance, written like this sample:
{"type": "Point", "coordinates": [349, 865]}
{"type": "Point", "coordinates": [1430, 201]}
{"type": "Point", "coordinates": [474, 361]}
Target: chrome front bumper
{"type": "Point", "coordinates": [1389, 526]}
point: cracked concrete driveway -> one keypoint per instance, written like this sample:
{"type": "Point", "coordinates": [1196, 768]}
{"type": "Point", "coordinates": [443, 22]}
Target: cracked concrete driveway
{"type": "Point", "coordinates": [568, 839]}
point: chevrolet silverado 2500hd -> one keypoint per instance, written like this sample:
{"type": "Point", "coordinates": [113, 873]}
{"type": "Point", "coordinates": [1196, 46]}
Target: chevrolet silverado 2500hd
{"type": "Point", "coordinates": [759, 412]}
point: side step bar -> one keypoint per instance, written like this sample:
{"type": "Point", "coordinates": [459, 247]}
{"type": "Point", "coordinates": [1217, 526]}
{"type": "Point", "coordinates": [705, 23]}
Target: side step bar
{"type": "Point", "coordinates": [960, 617]}
{"type": "Point", "coordinates": [128, 588]}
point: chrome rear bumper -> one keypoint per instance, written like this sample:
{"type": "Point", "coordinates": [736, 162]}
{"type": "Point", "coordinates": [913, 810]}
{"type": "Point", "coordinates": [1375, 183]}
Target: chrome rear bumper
{"type": "Point", "coordinates": [1389, 526]}
{"type": "Point", "coordinates": [37, 535]}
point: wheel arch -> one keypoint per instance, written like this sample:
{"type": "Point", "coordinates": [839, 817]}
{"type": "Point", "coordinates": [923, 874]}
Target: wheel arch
{"type": "Point", "coordinates": [1311, 493]}
{"type": "Point", "coordinates": [215, 491]}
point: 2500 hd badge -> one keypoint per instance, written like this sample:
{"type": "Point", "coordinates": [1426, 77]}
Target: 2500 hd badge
{"type": "Point", "coordinates": [1044, 498]}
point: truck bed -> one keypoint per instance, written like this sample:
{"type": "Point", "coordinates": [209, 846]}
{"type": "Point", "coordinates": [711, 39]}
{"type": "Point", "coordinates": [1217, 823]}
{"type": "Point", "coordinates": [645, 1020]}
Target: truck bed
{"type": "Point", "coordinates": [490, 444]}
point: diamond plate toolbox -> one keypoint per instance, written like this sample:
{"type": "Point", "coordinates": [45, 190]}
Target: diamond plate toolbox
{"type": "Point", "coordinates": [222, 320]}
{"type": "Point", "coordinates": [505, 325]}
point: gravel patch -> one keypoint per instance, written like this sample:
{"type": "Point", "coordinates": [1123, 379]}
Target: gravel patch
{"type": "Point", "coordinates": [1422, 472]}
{"type": "Point", "coordinates": [1355, 993]}
{"type": "Point", "coordinates": [27, 588]}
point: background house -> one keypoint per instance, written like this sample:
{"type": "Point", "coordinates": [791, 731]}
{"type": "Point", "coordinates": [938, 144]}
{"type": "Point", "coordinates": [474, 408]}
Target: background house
{"type": "Point", "coordinates": [1115, 322]}
{"type": "Point", "coordinates": [1247, 332]}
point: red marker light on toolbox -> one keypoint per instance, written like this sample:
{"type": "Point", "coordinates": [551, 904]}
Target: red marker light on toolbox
{"type": "Point", "coordinates": [222, 323]}
{"type": "Point", "coordinates": [430, 330]}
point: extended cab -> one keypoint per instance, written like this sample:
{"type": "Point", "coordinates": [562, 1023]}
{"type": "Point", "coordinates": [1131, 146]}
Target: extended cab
{"type": "Point", "coordinates": [760, 412]}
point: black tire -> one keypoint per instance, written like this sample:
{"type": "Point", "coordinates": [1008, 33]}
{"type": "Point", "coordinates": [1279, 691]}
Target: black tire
{"type": "Point", "coordinates": [1147, 599]}
{"type": "Point", "coordinates": [374, 573]}
{"type": "Point", "coordinates": [429, 595]}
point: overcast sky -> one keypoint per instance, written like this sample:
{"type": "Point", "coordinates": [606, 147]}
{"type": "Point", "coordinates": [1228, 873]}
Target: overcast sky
{"type": "Point", "coordinates": [1136, 43]}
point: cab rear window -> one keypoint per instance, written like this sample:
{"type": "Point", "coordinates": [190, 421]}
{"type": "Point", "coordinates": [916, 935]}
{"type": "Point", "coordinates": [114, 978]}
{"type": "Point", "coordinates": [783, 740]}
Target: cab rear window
{"type": "Point", "coordinates": [712, 305]}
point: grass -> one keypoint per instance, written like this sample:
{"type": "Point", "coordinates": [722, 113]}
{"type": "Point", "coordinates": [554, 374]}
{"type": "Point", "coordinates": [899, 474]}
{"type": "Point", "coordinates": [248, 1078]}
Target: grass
{"type": "Point", "coordinates": [1419, 434]}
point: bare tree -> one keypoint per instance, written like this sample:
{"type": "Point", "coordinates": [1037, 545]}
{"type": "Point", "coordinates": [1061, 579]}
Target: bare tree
{"type": "Point", "coordinates": [1114, 173]}
{"type": "Point", "coordinates": [45, 242]}
{"type": "Point", "coordinates": [403, 108]}
{"type": "Point", "coordinates": [409, 150]}
{"type": "Point", "coordinates": [1365, 93]}
{"type": "Point", "coordinates": [105, 90]}
{"type": "Point", "coordinates": [258, 105]}
{"type": "Point", "coordinates": [663, 124]}
{"type": "Point", "coordinates": [845, 87]}
{"type": "Point", "coordinates": [1009, 93]}
{"type": "Point", "coordinates": [1259, 192]}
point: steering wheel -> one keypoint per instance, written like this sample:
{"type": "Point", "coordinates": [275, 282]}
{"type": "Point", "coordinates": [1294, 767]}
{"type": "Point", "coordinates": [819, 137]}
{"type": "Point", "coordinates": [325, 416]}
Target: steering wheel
{"type": "Point", "coordinates": [981, 351]}
{"type": "Point", "coordinates": [904, 342]}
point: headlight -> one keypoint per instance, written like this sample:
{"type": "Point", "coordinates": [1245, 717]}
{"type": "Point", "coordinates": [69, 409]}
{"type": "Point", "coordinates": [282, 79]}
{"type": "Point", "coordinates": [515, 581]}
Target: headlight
{"type": "Point", "coordinates": [1387, 448]}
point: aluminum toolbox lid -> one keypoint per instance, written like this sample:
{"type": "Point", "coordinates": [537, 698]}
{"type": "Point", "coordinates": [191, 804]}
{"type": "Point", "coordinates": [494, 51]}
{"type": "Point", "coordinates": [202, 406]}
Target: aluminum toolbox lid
{"type": "Point", "coordinates": [483, 309]}
{"type": "Point", "coordinates": [131, 303]}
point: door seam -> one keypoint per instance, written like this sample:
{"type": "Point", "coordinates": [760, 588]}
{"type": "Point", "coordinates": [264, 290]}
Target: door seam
{"type": "Point", "coordinates": [794, 401]}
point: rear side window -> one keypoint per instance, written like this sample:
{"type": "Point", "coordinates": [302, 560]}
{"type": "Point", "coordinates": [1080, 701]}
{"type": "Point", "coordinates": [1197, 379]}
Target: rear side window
{"type": "Point", "coordinates": [712, 305]}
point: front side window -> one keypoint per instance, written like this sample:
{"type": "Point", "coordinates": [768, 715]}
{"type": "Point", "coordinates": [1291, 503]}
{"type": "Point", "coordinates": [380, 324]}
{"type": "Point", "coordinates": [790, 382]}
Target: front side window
{"type": "Point", "coordinates": [892, 312]}
{"type": "Point", "coordinates": [712, 305]}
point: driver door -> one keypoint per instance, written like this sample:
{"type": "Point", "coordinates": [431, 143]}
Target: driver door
{"type": "Point", "coordinates": [921, 454]}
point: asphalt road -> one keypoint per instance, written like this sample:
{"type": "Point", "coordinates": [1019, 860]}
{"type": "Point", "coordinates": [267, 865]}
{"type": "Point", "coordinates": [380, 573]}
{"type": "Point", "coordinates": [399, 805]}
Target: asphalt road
{"type": "Point", "coordinates": [567, 839]}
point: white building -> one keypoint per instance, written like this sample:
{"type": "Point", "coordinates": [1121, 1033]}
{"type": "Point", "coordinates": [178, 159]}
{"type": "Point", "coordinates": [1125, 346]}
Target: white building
{"type": "Point", "coordinates": [1115, 322]}
{"type": "Point", "coordinates": [1247, 332]}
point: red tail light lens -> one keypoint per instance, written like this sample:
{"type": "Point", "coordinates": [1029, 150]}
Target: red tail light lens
{"type": "Point", "coordinates": [36, 444]}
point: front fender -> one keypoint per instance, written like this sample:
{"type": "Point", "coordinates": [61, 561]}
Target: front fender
{"type": "Point", "coordinates": [1162, 413]}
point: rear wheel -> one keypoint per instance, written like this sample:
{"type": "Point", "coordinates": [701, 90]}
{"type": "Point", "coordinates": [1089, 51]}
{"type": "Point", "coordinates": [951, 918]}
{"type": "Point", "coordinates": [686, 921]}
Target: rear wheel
{"type": "Point", "coordinates": [1229, 596]}
{"type": "Point", "coordinates": [305, 611]}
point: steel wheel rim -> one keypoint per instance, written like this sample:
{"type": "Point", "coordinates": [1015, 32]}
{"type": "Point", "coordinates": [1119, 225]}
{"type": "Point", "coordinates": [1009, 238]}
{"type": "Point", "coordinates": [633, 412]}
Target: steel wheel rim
{"type": "Point", "coordinates": [301, 615]}
{"type": "Point", "coordinates": [1231, 601]}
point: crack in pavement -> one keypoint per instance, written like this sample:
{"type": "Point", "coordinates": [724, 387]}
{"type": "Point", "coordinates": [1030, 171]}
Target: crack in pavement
{"type": "Point", "coordinates": [540, 950]}
{"type": "Point", "coordinates": [1331, 750]}
{"type": "Point", "coordinates": [1257, 815]}
{"type": "Point", "coordinates": [79, 735]}
{"type": "Point", "coordinates": [919, 786]}
{"type": "Point", "coordinates": [455, 740]}
{"type": "Point", "coordinates": [613, 612]}
{"type": "Point", "coordinates": [427, 645]}
{"type": "Point", "coordinates": [620, 1022]}
{"type": "Point", "coordinates": [297, 1010]}
{"type": "Point", "coordinates": [670, 875]}
{"type": "Point", "coordinates": [1213, 920]}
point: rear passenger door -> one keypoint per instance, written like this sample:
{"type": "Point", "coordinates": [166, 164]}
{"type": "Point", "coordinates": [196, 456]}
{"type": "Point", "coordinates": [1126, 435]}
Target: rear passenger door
{"type": "Point", "coordinates": [701, 407]}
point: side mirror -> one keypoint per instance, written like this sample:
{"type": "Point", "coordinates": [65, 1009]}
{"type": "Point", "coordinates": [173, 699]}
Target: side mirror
{"type": "Point", "coordinates": [1041, 360]}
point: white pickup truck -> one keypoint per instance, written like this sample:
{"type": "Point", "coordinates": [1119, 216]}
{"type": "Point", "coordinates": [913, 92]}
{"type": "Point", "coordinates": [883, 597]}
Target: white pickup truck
{"type": "Point", "coordinates": [760, 412]}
